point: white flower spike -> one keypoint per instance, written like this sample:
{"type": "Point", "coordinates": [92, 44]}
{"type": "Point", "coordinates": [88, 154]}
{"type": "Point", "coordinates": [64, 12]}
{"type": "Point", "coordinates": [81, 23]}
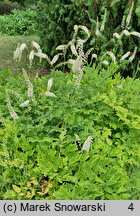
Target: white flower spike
{"type": "Point", "coordinates": [16, 52]}
{"type": "Point", "coordinates": [105, 62]}
{"type": "Point", "coordinates": [73, 48]}
{"type": "Point", "coordinates": [50, 82]}
{"type": "Point", "coordinates": [31, 57]}
{"type": "Point", "coordinates": [137, 34]}
{"type": "Point", "coordinates": [97, 32]}
{"type": "Point", "coordinates": [10, 108]}
{"type": "Point", "coordinates": [125, 32]}
{"type": "Point", "coordinates": [131, 58]}
{"type": "Point", "coordinates": [116, 35]}
{"type": "Point", "coordinates": [111, 54]}
{"type": "Point", "coordinates": [103, 22]}
{"type": "Point", "coordinates": [87, 143]}
{"type": "Point", "coordinates": [61, 47]}
{"type": "Point", "coordinates": [25, 103]}
{"type": "Point", "coordinates": [125, 56]}
{"type": "Point", "coordinates": [28, 83]}
{"type": "Point", "coordinates": [94, 56]}
{"type": "Point", "coordinates": [36, 45]}
{"type": "Point", "coordinates": [50, 94]}
{"type": "Point", "coordinates": [55, 58]}
{"type": "Point", "coordinates": [77, 64]}
{"type": "Point", "coordinates": [128, 19]}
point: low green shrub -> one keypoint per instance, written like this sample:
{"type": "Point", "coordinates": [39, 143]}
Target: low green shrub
{"type": "Point", "coordinates": [42, 152]}
{"type": "Point", "coordinates": [20, 22]}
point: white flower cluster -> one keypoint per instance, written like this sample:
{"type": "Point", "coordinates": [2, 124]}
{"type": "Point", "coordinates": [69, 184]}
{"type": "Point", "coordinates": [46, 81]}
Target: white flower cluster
{"type": "Point", "coordinates": [10, 108]}
{"type": "Point", "coordinates": [18, 52]}
{"type": "Point", "coordinates": [87, 143]}
{"type": "Point", "coordinates": [123, 57]}
{"type": "Point", "coordinates": [48, 93]}
{"type": "Point", "coordinates": [28, 83]}
{"type": "Point", "coordinates": [15, 94]}
{"type": "Point", "coordinates": [76, 45]}
{"type": "Point", "coordinates": [25, 103]}
{"type": "Point", "coordinates": [39, 53]}
{"type": "Point", "coordinates": [99, 29]}
{"type": "Point", "coordinates": [18, 97]}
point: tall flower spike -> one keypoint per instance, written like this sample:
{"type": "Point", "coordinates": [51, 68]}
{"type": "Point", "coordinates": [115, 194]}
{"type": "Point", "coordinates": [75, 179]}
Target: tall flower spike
{"type": "Point", "coordinates": [88, 52]}
{"type": "Point", "coordinates": [61, 47]}
{"type": "Point", "coordinates": [79, 46]}
{"type": "Point", "coordinates": [128, 19]}
{"type": "Point", "coordinates": [97, 32]}
{"type": "Point", "coordinates": [94, 56]}
{"type": "Point", "coordinates": [116, 35]}
{"type": "Point", "coordinates": [125, 56]}
{"type": "Point", "coordinates": [105, 62]}
{"type": "Point", "coordinates": [31, 57]}
{"type": "Point", "coordinates": [111, 54]}
{"type": "Point", "coordinates": [85, 29]}
{"type": "Point", "coordinates": [21, 49]}
{"type": "Point", "coordinates": [75, 31]}
{"type": "Point", "coordinates": [126, 32]}
{"type": "Point", "coordinates": [10, 108]}
{"type": "Point", "coordinates": [43, 56]}
{"type": "Point", "coordinates": [78, 78]}
{"type": "Point", "coordinates": [48, 93]}
{"type": "Point", "coordinates": [55, 58]}
{"type": "Point", "coordinates": [73, 48]}
{"type": "Point", "coordinates": [25, 103]}
{"type": "Point", "coordinates": [137, 34]}
{"type": "Point", "coordinates": [104, 21]}
{"type": "Point", "coordinates": [50, 82]}
{"type": "Point", "coordinates": [15, 94]}
{"type": "Point", "coordinates": [28, 83]}
{"type": "Point", "coordinates": [87, 143]}
{"type": "Point", "coordinates": [131, 58]}
{"type": "Point", "coordinates": [16, 52]}
{"type": "Point", "coordinates": [77, 64]}
{"type": "Point", "coordinates": [36, 45]}
{"type": "Point", "coordinates": [123, 22]}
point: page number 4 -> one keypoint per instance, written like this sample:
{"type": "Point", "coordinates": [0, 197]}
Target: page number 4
{"type": "Point", "coordinates": [131, 207]}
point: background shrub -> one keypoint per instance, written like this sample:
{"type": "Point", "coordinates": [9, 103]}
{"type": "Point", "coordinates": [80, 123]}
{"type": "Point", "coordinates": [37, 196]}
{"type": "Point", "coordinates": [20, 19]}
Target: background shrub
{"type": "Point", "coordinates": [56, 20]}
{"type": "Point", "coordinates": [20, 22]}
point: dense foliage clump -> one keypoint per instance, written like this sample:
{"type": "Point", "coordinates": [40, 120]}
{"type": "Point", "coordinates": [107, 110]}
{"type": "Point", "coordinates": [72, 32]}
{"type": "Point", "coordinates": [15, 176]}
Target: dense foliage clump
{"type": "Point", "coordinates": [19, 22]}
{"type": "Point", "coordinates": [69, 142]}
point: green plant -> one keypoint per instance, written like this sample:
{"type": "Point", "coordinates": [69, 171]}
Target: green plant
{"type": "Point", "coordinates": [20, 22]}
{"type": "Point", "coordinates": [77, 143]}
